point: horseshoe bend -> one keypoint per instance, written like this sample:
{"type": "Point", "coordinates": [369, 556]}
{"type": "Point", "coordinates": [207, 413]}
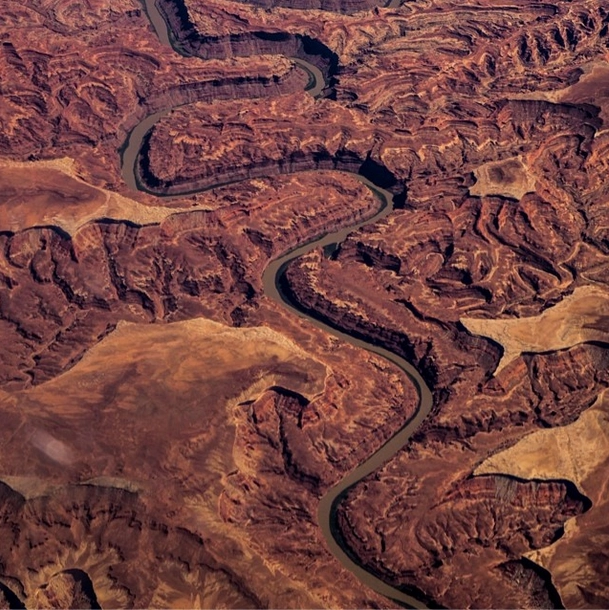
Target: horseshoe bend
{"type": "Point", "coordinates": [304, 304]}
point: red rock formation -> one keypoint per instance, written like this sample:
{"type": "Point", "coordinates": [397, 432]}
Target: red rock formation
{"type": "Point", "coordinates": [238, 156]}
{"type": "Point", "coordinates": [339, 6]}
{"type": "Point", "coordinates": [247, 43]}
{"type": "Point", "coordinates": [422, 97]}
{"type": "Point", "coordinates": [113, 526]}
{"type": "Point", "coordinates": [63, 294]}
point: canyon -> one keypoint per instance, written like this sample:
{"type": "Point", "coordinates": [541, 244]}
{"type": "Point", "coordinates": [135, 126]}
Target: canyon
{"type": "Point", "coordinates": [188, 373]}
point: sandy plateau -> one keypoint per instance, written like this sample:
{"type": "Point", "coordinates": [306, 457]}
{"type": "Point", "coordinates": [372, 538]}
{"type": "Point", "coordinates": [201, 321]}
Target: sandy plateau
{"type": "Point", "coordinates": [578, 452]}
{"type": "Point", "coordinates": [194, 411]}
{"type": "Point", "coordinates": [49, 193]}
{"type": "Point", "coordinates": [579, 318]}
{"type": "Point", "coordinates": [169, 430]}
{"type": "Point", "coordinates": [508, 178]}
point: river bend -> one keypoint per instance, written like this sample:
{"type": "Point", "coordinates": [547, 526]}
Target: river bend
{"type": "Point", "coordinates": [272, 288]}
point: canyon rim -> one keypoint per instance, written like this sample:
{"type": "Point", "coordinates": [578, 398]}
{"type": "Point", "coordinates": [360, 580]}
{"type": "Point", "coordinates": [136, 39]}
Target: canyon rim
{"type": "Point", "coordinates": [304, 303]}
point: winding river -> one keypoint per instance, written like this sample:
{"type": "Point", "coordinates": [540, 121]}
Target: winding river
{"type": "Point", "coordinates": [329, 502]}
{"type": "Point", "coordinates": [272, 287]}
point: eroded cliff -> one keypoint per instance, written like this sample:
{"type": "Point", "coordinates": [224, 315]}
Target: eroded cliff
{"type": "Point", "coordinates": [142, 361]}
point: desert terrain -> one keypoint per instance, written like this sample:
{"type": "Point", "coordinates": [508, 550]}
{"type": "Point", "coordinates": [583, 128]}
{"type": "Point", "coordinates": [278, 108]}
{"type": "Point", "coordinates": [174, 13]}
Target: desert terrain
{"type": "Point", "coordinates": [304, 304]}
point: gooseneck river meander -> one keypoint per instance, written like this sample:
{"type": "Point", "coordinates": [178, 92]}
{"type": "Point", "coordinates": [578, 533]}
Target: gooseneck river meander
{"type": "Point", "coordinates": [272, 288]}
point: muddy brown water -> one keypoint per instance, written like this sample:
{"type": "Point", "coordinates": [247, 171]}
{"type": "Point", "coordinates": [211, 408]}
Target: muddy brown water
{"type": "Point", "coordinates": [330, 500]}
{"type": "Point", "coordinates": [272, 288]}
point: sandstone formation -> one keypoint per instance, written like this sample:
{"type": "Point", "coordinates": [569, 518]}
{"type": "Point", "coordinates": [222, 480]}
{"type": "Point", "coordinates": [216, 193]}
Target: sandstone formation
{"type": "Point", "coordinates": [168, 429]}
{"type": "Point", "coordinates": [192, 410]}
{"type": "Point", "coordinates": [72, 588]}
{"type": "Point", "coordinates": [577, 452]}
{"type": "Point", "coordinates": [580, 317]}
{"type": "Point", "coordinates": [339, 6]}
{"type": "Point", "coordinates": [323, 142]}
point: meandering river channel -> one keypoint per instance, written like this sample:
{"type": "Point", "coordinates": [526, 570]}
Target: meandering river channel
{"type": "Point", "coordinates": [272, 288]}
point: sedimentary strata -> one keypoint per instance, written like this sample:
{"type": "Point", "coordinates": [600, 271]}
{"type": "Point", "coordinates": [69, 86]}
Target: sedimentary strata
{"type": "Point", "coordinates": [118, 394]}
{"type": "Point", "coordinates": [165, 414]}
{"type": "Point", "coordinates": [339, 6]}
{"type": "Point", "coordinates": [577, 452]}
{"type": "Point", "coordinates": [324, 141]}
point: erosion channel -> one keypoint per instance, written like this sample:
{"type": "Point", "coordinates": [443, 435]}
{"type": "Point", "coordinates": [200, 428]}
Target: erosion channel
{"type": "Point", "coordinates": [272, 281]}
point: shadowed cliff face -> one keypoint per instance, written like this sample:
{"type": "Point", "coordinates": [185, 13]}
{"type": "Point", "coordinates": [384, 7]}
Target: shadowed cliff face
{"type": "Point", "coordinates": [9, 599]}
{"type": "Point", "coordinates": [337, 6]}
{"type": "Point", "coordinates": [250, 43]}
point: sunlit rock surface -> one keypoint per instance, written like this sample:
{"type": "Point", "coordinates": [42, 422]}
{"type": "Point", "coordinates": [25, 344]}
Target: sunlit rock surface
{"type": "Point", "coordinates": [168, 430]}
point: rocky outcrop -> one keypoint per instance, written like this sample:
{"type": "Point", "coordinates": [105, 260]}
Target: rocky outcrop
{"type": "Point", "coordinates": [478, 520]}
{"type": "Point", "coordinates": [489, 123]}
{"type": "Point", "coordinates": [296, 161]}
{"type": "Point", "coordinates": [170, 165]}
{"type": "Point", "coordinates": [226, 89]}
{"type": "Point", "coordinates": [336, 6]}
{"type": "Point", "coordinates": [68, 589]}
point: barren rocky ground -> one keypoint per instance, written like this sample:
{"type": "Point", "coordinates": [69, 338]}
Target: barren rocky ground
{"type": "Point", "coordinates": [168, 429]}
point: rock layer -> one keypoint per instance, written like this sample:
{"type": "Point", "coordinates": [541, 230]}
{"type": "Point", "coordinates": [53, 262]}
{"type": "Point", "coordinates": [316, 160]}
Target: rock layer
{"type": "Point", "coordinates": [226, 420]}
{"type": "Point", "coordinates": [339, 6]}
{"type": "Point", "coordinates": [487, 119]}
